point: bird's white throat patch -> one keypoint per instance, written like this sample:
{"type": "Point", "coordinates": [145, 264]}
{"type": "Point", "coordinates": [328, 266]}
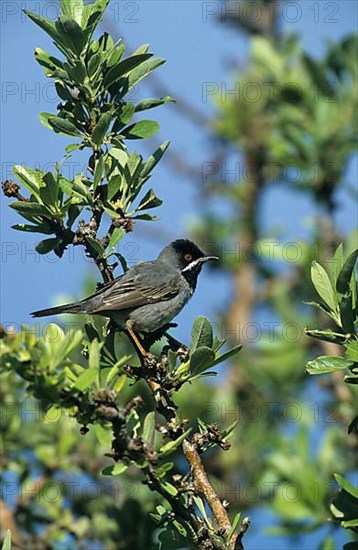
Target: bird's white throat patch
{"type": "Point", "coordinates": [192, 265]}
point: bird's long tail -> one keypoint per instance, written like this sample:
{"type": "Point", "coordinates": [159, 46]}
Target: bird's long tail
{"type": "Point", "coordinates": [77, 307]}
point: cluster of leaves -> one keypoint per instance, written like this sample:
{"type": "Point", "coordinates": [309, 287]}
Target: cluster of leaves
{"type": "Point", "coordinates": [94, 83]}
{"type": "Point", "coordinates": [89, 378]}
{"type": "Point", "coordinates": [338, 290]}
{"type": "Point", "coordinates": [302, 107]}
{"type": "Point", "coordinates": [289, 123]}
{"type": "Point", "coordinates": [51, 481]}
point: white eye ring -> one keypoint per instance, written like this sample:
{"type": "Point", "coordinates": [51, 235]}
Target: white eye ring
{"type": "Point", "coordinates": [188, 257]}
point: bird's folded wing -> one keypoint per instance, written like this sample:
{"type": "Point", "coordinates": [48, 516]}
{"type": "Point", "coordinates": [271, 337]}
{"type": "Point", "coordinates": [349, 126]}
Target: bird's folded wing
{"type": "Point", "coordinates": [139, 287]}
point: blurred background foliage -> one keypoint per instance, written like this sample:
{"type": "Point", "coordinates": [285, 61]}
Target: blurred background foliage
{"type": "Point", "coordinates": [291, 436]}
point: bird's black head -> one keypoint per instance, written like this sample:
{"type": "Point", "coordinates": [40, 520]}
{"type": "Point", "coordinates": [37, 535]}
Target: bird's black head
{"type": "Point", "coordinates": [187, 257]}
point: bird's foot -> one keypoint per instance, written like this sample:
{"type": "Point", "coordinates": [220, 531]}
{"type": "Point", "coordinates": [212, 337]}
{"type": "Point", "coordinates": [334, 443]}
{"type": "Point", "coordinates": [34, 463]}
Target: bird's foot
{"type": "Point", "coordinates": [150, 360]}
{"type": "Point", "coordinates": [180, 349]}
{"type": "Point", "coordinates": [183, 353]}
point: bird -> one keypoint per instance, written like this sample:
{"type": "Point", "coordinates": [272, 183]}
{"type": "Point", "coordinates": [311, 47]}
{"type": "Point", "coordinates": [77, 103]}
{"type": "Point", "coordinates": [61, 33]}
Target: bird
{"type": "Point", "coordinates": [148, 295]}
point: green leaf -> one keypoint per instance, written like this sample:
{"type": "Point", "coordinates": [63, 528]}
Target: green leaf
{"type": "Point", "coordinates": [44, 247]}
{"type": "Point", "coordinates": [149, 429]}
{"type": "Point", "coordinates": [228, 431]}
{"type": "Point", "coordinates": [142, 49]}
{"type": "Point", "coordinates": [127, 113]}
{"type": "Point", "coordinates": [327, 363]}
{"type": "Point", "coordinates": [143, 70]}
{"type": "Point", "coordinates": [347, 313]}
{"type": "Point", "coordinates": [201, 359]}
{"type": "Point", "coordinates": [44, 24]}
{"type": "Point", "coordinates": [63, 93]}
{"type": "Point", "coordinates": [31, 179]}
{"type": "Point", "coordinates": [151, 103]}
{"type": "Point", "coordinates": [78, 73]}
{"type": "Point", "coordinates": [346, 485]}
{"type": "Point", "coordinates": [146, 217]}
{"type": "Point", "coordinates": [91, 332]}
{"type": "Point", "coordinates": [114, 185]}
{"type": "Point", "coordinates": [163, 469]}
{"type": "Point", "coordinates": [60, 125]}
{"type": "Point", "coordinates": [345, 503]}
{"type": "Point", "coordinates": [128, 64]}
{"type": "Point", "coordinates": [99, 171]}
{"type": "Point", "coordinates": [49, 193]}
{"type": "Point", "coordinates": [119, 155]}
{"type": "Point", "coordinates": [171, 538]}
{"type": "Point", "coordinates": [101, 127]}
{"type": "Point", "coordinates": [50, 64]}
{"type": "Point", "coordinates": [94, 64]}
{"type": "Point", "coordinates": [326, 335]}
{"type": "Point", "coordinates": [94, 246]}
{"type": "Point", "coordinates": [92, 14]}
{"type": "Point", "coordinates": [31, 208]}
{"type": "Point", "coordinates": [115, 56]}
{"type": "Point", "coordinates": [76, 188]}
{"type": "Point", "coordinates": [141, 129]}
{"type": "Point", "coordinates": [350, 524]}
{"type": "Point", "coordinates": [352, 350]}
{"type": "Point", "coordinates": [86, 379]}
{"type": "Point", "coordinates": [40, 228]}
{"type": "Point", "coordinates": [234, 524]}
{"type": "Point", "coordinates": [227, 355]}
{"type": "Point", "coordinates": [154, 159]}
{"type": "Point", "coordinates": [6, 545]}
{"type": "Point", "coordinates": [201, 334]}
{"type": "Point", "coordinates": [172, 445]}
{"type": "Point", "coordinates": [318, 75]}
{"type": "Point", "coordinates": [72, 147]}
{"type": "Point", "coordinates": [150, 200]}
{"type": "Point", "coordinates": [323, 285]}
{"type": "Point", "coordinates": [70, 33]}
{"type": "Point", "coordinates": [345, 274]}
{"type": "Point", "coordinates": [200, 504]}
{"type": "Point", "coordinates": [73, 9]}
{"type": "Point", "coordinates": [94, 355]}
{"type": "Point", "coordinates": [116, 236]}
{"type": "Point", "coordinates": [169, 488]}
{"type": "Point", "coordinates": [44, 119]}
{"type": "Point", "coordinates": [337, 261]}
{"type": "Point", "coordinates": [133, 423]}
{"type": "Point", "coordinates": [115, 470]}
{"type": "Point", "coordinates": [74, 211]}
{"type": "Point", "coordinates": [323, 307]}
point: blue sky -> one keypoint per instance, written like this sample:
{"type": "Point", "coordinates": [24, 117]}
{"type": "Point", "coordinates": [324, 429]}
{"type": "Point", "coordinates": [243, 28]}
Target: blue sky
{"type": "Point", "coordinates": [198, 50]}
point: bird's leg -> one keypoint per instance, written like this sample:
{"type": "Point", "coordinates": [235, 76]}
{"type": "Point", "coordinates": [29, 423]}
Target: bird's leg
{"type": "Point", "coordinates": [152, 337]}
{"type": "Point", "coordinates": [135, 340]}
{"type": "Point", "coordinates": [147, 360]}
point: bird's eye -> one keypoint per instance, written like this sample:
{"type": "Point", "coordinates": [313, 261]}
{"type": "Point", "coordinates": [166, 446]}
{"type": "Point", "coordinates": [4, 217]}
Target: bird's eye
{"type": "Point", "coordinates": [188, 257]}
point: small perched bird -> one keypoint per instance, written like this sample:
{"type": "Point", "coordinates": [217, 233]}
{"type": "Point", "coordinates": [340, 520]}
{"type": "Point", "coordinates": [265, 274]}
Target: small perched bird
{"type": "Point", "coordinates": [149, 295]}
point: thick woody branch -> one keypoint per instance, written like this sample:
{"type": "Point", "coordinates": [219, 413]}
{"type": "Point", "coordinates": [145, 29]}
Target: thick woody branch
{"type": "Point", "coordinates": [204, 487]}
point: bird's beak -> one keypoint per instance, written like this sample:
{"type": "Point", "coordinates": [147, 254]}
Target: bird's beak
{"type": "Point", "coordinates": [196, 264]}
{"type": "Point", "coordinates": [206, 258]}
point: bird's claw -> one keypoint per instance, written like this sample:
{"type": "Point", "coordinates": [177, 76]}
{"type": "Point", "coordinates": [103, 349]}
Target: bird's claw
{"type": "Point", "coordinates": [183, 353]}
